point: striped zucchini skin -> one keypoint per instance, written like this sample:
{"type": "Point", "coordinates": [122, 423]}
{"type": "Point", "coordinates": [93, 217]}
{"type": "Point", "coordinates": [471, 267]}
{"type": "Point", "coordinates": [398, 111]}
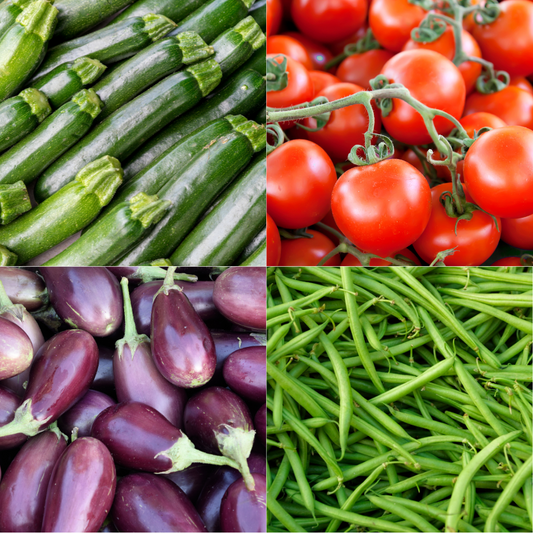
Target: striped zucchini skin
{"type": "Point", "coordinates": [9, 11]}
{"type": "Point", "coordinates": [175, 10]}
{"type": "Point", "coordinates": [257, 62]}
{"type": "Point", "coordinates": [258, 11]}
{"type": "Point", "coordinates": [258, 258]}
{"type": "Point", "coordinates": [252, 246]}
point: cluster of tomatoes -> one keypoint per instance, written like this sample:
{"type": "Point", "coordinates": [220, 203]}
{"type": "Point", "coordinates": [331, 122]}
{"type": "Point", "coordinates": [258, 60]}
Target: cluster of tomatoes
{"type": "Point", "coordinates": [402, 203]}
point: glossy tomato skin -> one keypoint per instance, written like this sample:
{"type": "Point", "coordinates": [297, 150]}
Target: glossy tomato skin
{"type": "Point", "coordinates": [476, 239]}
{"type": "Point", "coordinates": [320, 55]}
{"type": "Point", "coordinates": [321, 80]}
{"type": "Point", "coordinates": [300, 179]}
{"type": "Point", "coordinates": [508, 262]}
{"type": "Point", "coordinates": [274, 16]}
{"type": "Point", "coordinates": [518, 232]}
{"type": "Point", "coordinates": [433, 80]}
{"type": "Point", "coordinates": [308, 252]}
{"type": "Point", "coordinates": [283, 44]}
{"type": "Point", "coordinates": [382, 208]}
{"type": "Point", "coordinates": [361, 68]}
{"type": "Point", "coordinates": [476, 121]}
{"type": "Point", "coordinates": [522, 83]}
{"type": "Point", "coordinates": [273, 242]}
{"type": "Point", "coordinates": [351, 260]}
{"type": "Point", "coordinates": [337, 47]}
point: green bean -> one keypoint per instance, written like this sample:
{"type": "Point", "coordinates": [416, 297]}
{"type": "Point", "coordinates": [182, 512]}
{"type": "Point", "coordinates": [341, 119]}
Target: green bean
{"type": "Point", "coordinates": [297, 342]}
{"type": "Point", "coordinates": [281, 477]}
{"type": "Point", "coordinates": [277, 337]}
{"type": "Point", "coordinates": [519, 300]}
{"type": "Point", "coordinates": [300, 302]}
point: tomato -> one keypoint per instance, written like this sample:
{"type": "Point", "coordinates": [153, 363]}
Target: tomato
{"type": "Point", "coordinates": [433, 80]}
{"type": "Point", "coordinates": [382, 208]}
{"type": "Point", "coordinates": [445, 45]}
{"type": "Point", "coordinates": [476, 238]}
{"type": "Point", "coordinates": [346, 127]}
{"type": "Point", "coordinates": [320, 55]}
{"type": "Point", "coordinates": [361, 68]}
{"type": "Point", "coordinates": [282, 44]}
{"type": "Point", "coordinates": [468, 21]}
{"type": "Point", "coordinates": [274, 15]}
{"type": "Point", "coordinates": [391, 22]}
{"type": "Point", "coordinates": [308, 252]}
{"type": "Point", "coordinates": [351, 260]}
{"type": "Point", "coordinates": [337, 47]}
{"type": "Point", "coordinates": [273, 242]}
{"type": "Point", "coordinates": [321, 80]}
{"type": "Point", "coordinates": [522, 83]}
{"type": "Point", "coordinates": [443, 173]}
{"type": "Point", "coordinates": [327, 21]}
{"type": "Point", "coordinates": [518, 232]}
{"type": "Point", "coordinates": [499, 172]}
{"type": "Point", "coordinates": [300, 179]}
{"type": "Point", "coordinates": [330, 221]}
{"type": "Point", "coordinates": [508, 262]}
{"type": "Point", "coordinates": [513, 105]}
{"type": "Point", "coordinates": [476, 121]}
{"type": "Point", "coordinates": [508, 41]}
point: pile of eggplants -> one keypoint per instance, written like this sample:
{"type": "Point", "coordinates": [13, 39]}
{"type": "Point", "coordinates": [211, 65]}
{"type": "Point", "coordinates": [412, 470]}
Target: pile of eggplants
{"type": "Point", "coordinates": [132, 399]}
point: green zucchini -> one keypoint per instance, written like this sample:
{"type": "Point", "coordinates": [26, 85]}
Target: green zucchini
{"type": "Point", "coordinates": [148, 67]}
{"type": "Point", "coordinates": [30, 157]}
{"type": "Point", "coordinates": [14, 201]}
{"type": "Point", "coordinates": [64, 213]}
{"type": "Point", "coordinates": [10, 10]}
{"type": "Point", "coordinates": [120, 134]}
{"type": "Point", "coordinates": [257, 61]}
{"type": "Point", "coordinates": [22, 47]}
{"type": "Point", "coordinates": [199, 183]}
{"type": "Point", "coordinates": [114, 234]}
{"type": "Point", "coordinates": [261, 117]}
{"type": "Point", "coordinates": [244, 92]}
{"type": "Point", "coordinates": [222, 235]}
{"type": "Point", "coordinates": [175, 10]}
{"type": "Point", "coordinates": [109, 44]}
{"type": "Point", "coordinates": [20, 115]}
{"type": "Point", "coordinates": [258, 257]}
{"type": "Point", "coordinates": [62, 83]}
{"type": "Point", "coordinates": [259, 12]}
{"type": "Point", "coordinates": [7, 258]}
{"type": "Point", "coordinates": [252, 246]}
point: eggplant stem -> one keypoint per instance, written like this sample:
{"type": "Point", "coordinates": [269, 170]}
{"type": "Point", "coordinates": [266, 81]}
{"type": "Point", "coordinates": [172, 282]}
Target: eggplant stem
{"type": "Point", "coordinates": [6, 305]}
{"type": "Point", "coordinates": [149, 273]}
{"type": "Point", "coordinates": [24, 422]}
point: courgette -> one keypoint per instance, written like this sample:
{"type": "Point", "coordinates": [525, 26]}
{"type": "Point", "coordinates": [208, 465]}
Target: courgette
{"type": "Point", "coordinates": [64, 213]}
{"type": "Point", "coordinates": [261, 117]}
{"type": "Point", "coordinates": [252, 246]}
{"type": "Point", "coordinates": [120, 134]}
{"type": "Point", "coordinates": [7, 258]}
{"type": "Point", "coordinates": [62, 83]}
{"type": "Point", "coordinates": [10, 10]}
{"type": "Point", "coordinates": [259, 12]}
{"type": "Point", "coordinates": [222, 235]}
{"type": "Point", "coordinates": [20, 115]}
{"type": "Point", "coordinates": [23, 46]}
{"type": "Point", "coordinates": [148, 67]}
{"type": "Point", "coordinates": [30, 157]}
{"type": "Point", "coordinates": [199, 183]}
{"type": "Point", "coordinates": [244, 92]}
{"type": "Point", "coordinates": [113, 234]}
{"type": "Point", "coordinates": [109, 44]}
{"type": "Point", "coordinates": [257, 62]}
{"type": "Point", "coordinates": [173, 9]}
{"type": "Point", "coordinates": [14, 201]}
{"type": "Point", "coordinates": [258, 258]}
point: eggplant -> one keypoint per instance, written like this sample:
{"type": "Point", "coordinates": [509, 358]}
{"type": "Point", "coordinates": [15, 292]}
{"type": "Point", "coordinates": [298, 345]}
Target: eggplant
{"type": "Point", "coordinates": [245, 373]}
{"type": "Point", "coordinates": [145, 502]}
{"type": "Point", "coordinates": [24, 287]}
{"type": "Point", "coordinates": [48, 317]}
{"type": "Point", "coordinates": [260, 423]}
{"type": "Point", "coordinates": [146, 274]}
{"type": "Point", "coordinates": [136, 375]}
{"type": "Point", "coordinates": [218, 421]}
{"type": "Point", "coordinates": [104, 380]}
{"type": "Point", "coordinates": [23, 489]}
{"type": "Point", "coordinates": [183, 349]}
{"type": "Point", "coordinates": [192, 479]}
{"type": "Point", "coordinates": [244, 510]}
{"type": "Point", "coordinates": [9, 403]}
{"type": "Point", "coordinates": [81, 489]}
{"type": "Point", "coordinates": [227, 342]}
{"type": "Point", "coordinates": [16, 351]}
{"type": "Point", "coordinates": [60, 376]}
{"type": "Point", "coordinates": [87, 298]}
{"type": "Point", "coordinates": [240, 296]}
{"type": "Point", "coordinates": [257, 463]}
{"type": "Point", "coordinates": [82, 414]}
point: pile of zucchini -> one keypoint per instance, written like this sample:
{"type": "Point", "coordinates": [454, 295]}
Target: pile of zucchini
{"type": "Point", "coordinates": [144, 131]}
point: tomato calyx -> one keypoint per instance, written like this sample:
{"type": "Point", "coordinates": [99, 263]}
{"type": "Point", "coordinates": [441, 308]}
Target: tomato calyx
{"type": "Point", "coordinates": [290, 235]}
{"type": "Point", "coordinates": [487, 13]}
{"type": "Point", "coordinates": [276, 76]}
{"type": "Point", "coordinates": [366, 43]}
{"type": "Point", "coordinates": [321, 119]}
{"type": "Point", "coordinates": [441, 256]}
{"type": "Point", "coordinates": [430, 30]}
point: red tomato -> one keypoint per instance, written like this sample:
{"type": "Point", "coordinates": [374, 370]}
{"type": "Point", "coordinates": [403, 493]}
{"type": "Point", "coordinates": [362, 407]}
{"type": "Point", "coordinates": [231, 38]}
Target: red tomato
{"type": "Point", "coordinates": [391, 22]}
{"type": "Point", "coordinates": [508, 262]}
{"type": "Point", "coordinates": [274, 15]}
{"type": "Point", "coordinates": [508, 41]}
{"type": "Point", "coordinates": [346, 127]}
{"type": "Point", "coordinates": [320, 55]}
{"type": "Point", "coordinates": [351, 260]}
{"type": "Point", "coordinates": [382, 208]}
{"type": "Point", "coordinates": [300, 179]}
{"type": "Point", "coordinates": [282, 44]}
{"type": "Point", "coordinates": [476, 238]}
{"type": "Point", "coordinates": [476, 121]}
{"type": "Point", "coordinates": [468, 21]}
{"type": "Point", "coordinates": [443, 173]}
{"type": "Point", "coordinates": [321, 80]}
{"type": "Point", "coordinates": [522, 83]}
{"type": "Point", "coordinates": [337, 47]}
{"type": "Point", "coordinates": [518, 232]}
{"type": "Point", "coordinates": [361, 68]}
{"type": "Point", "coordinates": [273, 242]}
{"type": "Point", "coordinates": [308, 252]}
{"type": "Point", "coordinates": [433, 80]}
{"type": "Point", "coordinates": [499, 172]}
{"type": "Point", "coordinates": [327, 21]}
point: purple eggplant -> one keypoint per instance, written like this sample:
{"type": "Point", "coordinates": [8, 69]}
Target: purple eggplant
{"type": "Point", "coordinates": [24, 287]}
{"type": "Point", "coordinates": [87, 298]}
{"type": "Point", "coordinates": [9, 403]}
{"type": "Point", "coordinates": [81, 489]}
{"type": "Point", "coordinates": [59, 377]}
{"type": "Point", "coordinates": [23, 489]}
{"type": "Point", "coordinates": [16, 351]}
{"type": "Point", "coordinates": [183, 349]}
{"type": "Point", "coordinates": [257, 463]}
{"type": "Point", "coordinates": [82, 414]}
{"type": "Point", "coordinates": [245, 373]}
{"type": "Point", "coordinates": [192, 479]}
{"type": "Point", "coordinates": [244, 510]}
{"type": "Point", "coordinates": [145, 502]}
{"type": "Point", "coordinates": [218, 421]}
{"type": "Point", "coordinates": [136, 375]}
{"type": "Point", "coordinates": [227, 342]}
{"type": "Point", "coordinates": [240, 295]}
{"type": "Point", "coordinates": [104, 380]}
{"type": "Point", "coordinates": [146, 274]}
{"type": "Point", "coordinates": [260, 423]}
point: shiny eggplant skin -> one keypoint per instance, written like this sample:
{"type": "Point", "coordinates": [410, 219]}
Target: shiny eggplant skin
{"type": "Point", "coordinates": [24, 287]}
{"type": "Point", "coordinates": [82, 414]}
{"type": "Point", "coordinates": [245, 373]}
{"type": "Point", "coordinates": [192, 479]}
{"type": "Point", "coordinates": [260, 423]}
{"type": "Point", "coordinates": [81, 489]}
{"type": "Point", "coordinates": [23, 489]}
{"type": "Point", "coordinates": [227, 342]}
{"type": "Point", "coordinates": [257, 463]}
{"type": "Point", "coordinates": [16, 351]}
{"type": "Point", "coordinates": [240, 296]}
{"type": "Point", "coordinates": [9, 402]}
{"type": "Point", "coordinates": [87, 298]}
{"type": "Point", "coordinates": [145, 502]}
{"type": "Point", "coordinates": [104, 380]}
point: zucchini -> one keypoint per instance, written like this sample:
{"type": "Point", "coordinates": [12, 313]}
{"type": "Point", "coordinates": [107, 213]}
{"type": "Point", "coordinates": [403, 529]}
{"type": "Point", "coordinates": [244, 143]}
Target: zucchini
{"type": "Point", "coordinates": [257, 62]}
{"type": "Point", "coordinates": [7, 258]}
{"type": "Point", "coordinates": [64, 213]}
{"type": "Point", "coordinates": [109, 44]}
{"type": "Point", "coordinates": [30, 157]}
{"type": "Point", "coordinates": [20, 115]}
{"type": "Point", "coordinates": [222, 235]}
{"type": "Point", "coordinates": [258, 257]}
{"type": "Point", "coordinates": [261, 117]}
{"type": "Point", "coordinates": [14, 201]}
{"type": "Point", "coordinates": [242, 93]}
{"type": "Point", "coordinates": [199, 183]}
{"type": "Point", "coordinates": [259, 12]}
{"type": "Point", "coordinates": [23, 46]}
{"type": "Point", "coordinates": [148, 67]}
{"type": "Point", "coordinates": [62, 83]}
{"type": "Point", "coordinates": [114, 234]}
{"type": "Point", "coordinates": [10, 10]}
{"type": "Point", "coordinates": [252, 246]}
{"type": "Point", "coordinates": [120, 134]}
{"type": "Point", "coordinates": [175, 10]}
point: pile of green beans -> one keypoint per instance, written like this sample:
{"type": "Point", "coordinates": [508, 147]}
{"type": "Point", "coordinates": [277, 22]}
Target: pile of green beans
{"type": "Point", "coordinates": [399, 399]}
